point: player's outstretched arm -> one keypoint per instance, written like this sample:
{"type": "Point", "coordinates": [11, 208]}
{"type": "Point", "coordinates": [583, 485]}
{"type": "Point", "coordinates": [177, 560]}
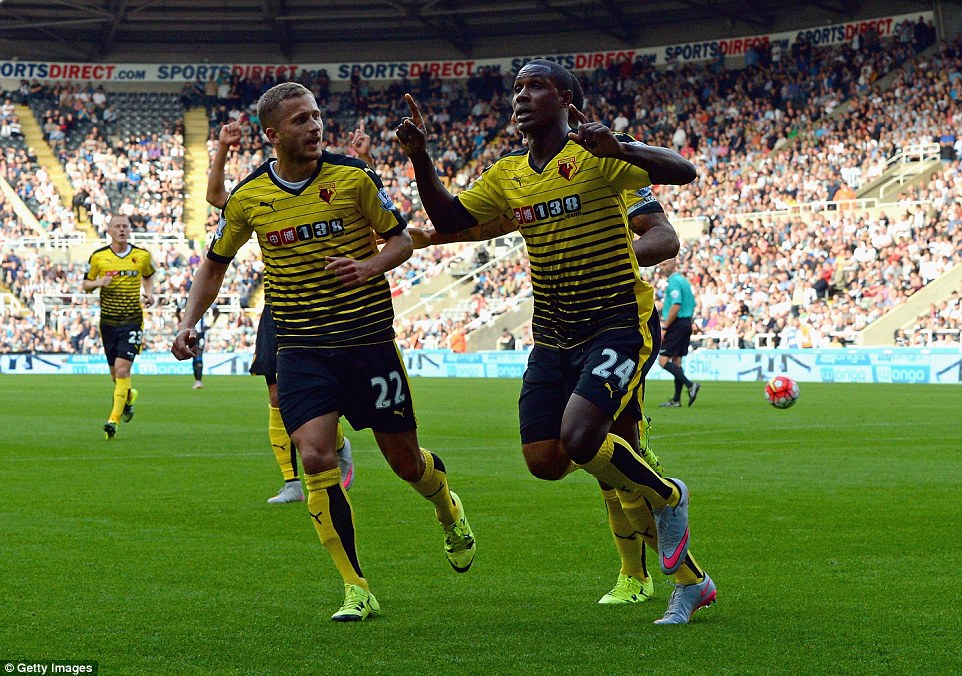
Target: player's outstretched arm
{"type": "Point", "coordinates": [657, 240]}
{"type": "Point", "coordinates": [664, 166]}
{"type": "Point", "coordinates": [442, 207]}
{"type": "Point", "coordinates": [203, 291]}
{"type": "Point", "coordinates": [217, 194]}
{"type": "Point", "coordinates": [424, 237]}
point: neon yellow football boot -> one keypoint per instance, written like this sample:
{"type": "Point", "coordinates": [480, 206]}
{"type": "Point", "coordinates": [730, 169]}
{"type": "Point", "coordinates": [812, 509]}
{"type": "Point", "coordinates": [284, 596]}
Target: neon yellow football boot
{"type": "Point", "coordinates": [459, 545]}
{"type": "Point", "coordinates": [359, 604]}
{"type": "Point", "coordinates": [629, 589]}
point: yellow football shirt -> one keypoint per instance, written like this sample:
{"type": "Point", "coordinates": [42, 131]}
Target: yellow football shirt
{"type": "Point", "coordinates": [335, 213]}
{"type": "Point", "coordinates": [120, 300]}
{"type": "Point", "coordinates": [572, 215]}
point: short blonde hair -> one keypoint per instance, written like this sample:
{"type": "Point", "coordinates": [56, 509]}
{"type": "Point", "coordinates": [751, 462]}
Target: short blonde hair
{"type": "Point", "coordinates": [272, 99]}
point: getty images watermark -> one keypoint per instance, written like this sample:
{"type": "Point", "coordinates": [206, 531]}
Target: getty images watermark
{"type": "Point", "coordinates": [44, 667]}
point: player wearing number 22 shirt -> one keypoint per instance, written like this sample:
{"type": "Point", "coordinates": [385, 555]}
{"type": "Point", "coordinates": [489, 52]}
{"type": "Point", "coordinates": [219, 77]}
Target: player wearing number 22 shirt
{"type": "Point", "coordinates": [332, 307]}
{"type": "Point", "coordinates": [297, 227]}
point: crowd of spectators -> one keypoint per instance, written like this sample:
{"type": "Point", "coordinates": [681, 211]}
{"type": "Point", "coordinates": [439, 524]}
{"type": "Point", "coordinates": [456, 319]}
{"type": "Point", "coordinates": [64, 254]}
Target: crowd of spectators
{"type": "Point", "coordinates": [142, 178]}
{"type": "Point", "coordinates": [55, 315]}
{"type": "Point", "coordinates": [940, 326]}
{"type": "Point", "coordinates": [772, 134]}
{"type": "Point", "coordinates": [29, 180]}
{"type": "Point", "coordinates": [125, 157]}
{"type": "Point", "coordinates": [797, 124]}
{"type": "Point", "coordinates": [791, 283]}
{"type": "Point", "coordinates": [498, 287]}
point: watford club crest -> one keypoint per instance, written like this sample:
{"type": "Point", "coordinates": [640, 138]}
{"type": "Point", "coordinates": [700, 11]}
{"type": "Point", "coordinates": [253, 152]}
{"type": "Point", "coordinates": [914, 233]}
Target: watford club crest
{"type": "Point", "coordinates": [327, 192]}
{"type": "Point", "coordinates": [567, 167]}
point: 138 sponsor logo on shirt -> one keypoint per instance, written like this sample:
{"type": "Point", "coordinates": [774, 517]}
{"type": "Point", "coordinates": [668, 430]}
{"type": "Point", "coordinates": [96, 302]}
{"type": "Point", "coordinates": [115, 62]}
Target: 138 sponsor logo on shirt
{"type": "Point", "coordinates": [551, 209]}
{"type": "Point", "coordinates": [303, 233]}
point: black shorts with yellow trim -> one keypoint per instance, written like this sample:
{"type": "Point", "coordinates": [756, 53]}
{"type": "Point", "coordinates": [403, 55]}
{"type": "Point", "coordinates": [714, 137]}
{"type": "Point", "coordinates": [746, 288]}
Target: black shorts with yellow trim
{"type": "Point", "coordinates": [265, 349]}
{"type": "Point", "coordinates": [607, 371]}
{"type": "Point", "coordinates": [122, 341]}
{"type": "Point", "coordinates": [368, 385]}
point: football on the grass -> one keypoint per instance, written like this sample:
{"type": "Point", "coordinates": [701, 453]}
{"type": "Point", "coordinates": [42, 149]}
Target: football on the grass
{"type": "Point", "coordinates": [781, 392]}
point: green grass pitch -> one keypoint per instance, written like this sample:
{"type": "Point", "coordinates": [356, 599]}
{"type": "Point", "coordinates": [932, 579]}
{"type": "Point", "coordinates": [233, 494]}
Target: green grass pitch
{"type": "Point", "coordinates": [832, 530]}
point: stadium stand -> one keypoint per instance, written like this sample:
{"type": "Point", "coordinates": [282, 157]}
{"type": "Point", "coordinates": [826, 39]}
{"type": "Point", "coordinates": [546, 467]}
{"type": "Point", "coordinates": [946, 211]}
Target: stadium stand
{"type": "Point", "coordinates": [27, 180]}
{"type": "Point", "coordinates": [784, 247]}
{"type": "Point", "coordinates": [123, 152]}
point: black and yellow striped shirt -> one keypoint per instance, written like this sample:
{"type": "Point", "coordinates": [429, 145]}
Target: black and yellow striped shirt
{"type": "Point", "coordinates": [120, 300]}
{"type": "Point", "coordinates": [335, 213]}
{"type": "Point", "coordinates": [572, 215]}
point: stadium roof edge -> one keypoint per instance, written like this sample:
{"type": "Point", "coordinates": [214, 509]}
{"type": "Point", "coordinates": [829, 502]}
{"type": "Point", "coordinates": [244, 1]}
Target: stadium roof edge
{"type": "Point", "coordinates": [289, 31]}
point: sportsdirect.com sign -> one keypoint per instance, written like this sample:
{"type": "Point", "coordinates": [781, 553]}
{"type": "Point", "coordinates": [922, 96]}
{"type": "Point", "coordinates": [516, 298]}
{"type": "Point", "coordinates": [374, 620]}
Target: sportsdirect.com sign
{"type": "Point", "coordinates": [393, 70]}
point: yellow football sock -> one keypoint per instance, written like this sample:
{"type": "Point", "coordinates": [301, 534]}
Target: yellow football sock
{"type": "Point", "coordinates": [339, 437]}
{"type": "Point", "coordinates": [433, 485]}
{"type": "Point", "coordinates": [333, 518]}
{"type": "Point", "coordinates": [628, 542]}
{"type": "Point", "coordinates": [281, 444]}
{"type": "Point", "coordinates": [690, 572]}
{"type": "Point", "coordinates": [639, 514]}
{"type": "Point", "coordinates": [121, 392]}
{"type": "Point", "coordinates": [617, 464]}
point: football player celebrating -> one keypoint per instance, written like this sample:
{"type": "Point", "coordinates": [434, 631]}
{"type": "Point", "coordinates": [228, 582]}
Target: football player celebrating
{"type": "Point", "coordinates": [315, 214]}
{"type": "Point", "coordinates": [265, 353]}
{"type": "Point", "coordinates": [580, 399]}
